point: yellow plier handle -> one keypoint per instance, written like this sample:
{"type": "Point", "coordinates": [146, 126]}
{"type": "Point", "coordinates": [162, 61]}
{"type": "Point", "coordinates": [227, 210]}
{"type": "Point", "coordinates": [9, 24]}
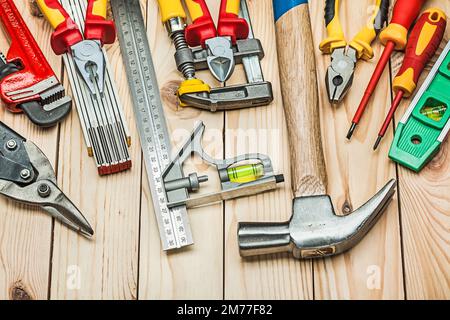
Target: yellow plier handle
{"type": "Point", "coordinates": [336, 37]}
{"type": "Point", "coordinates": [170, 9]}
{"type": "Point", "coordinates": [363, 40]}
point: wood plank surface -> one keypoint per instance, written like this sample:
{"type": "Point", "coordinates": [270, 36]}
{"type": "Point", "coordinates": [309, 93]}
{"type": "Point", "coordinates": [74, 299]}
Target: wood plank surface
{"type": "Point", "coordinates": [197, 271]}
{"type": "Point", "coordinates": [372, 270]}
{"type": "Point", "coordinates": [405, 256]}
{"type": "Point", "coordinates": [425, 208]}
{"type": "Point", "coordinates": [25, 233]}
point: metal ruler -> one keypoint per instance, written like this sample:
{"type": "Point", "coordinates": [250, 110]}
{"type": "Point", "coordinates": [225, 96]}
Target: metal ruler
{"type": "Point", "coordinates": [173, 223]}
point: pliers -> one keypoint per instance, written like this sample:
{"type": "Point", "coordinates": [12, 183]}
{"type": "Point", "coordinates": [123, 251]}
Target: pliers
{"type": "Point", "coordinates": [340, 73]}
{"type": "Point", "coordinates": [27, 176]}
{"type": "Point", "coordinates": [218, 41]}
{"type": "Point", "coordinates": [86, 51]}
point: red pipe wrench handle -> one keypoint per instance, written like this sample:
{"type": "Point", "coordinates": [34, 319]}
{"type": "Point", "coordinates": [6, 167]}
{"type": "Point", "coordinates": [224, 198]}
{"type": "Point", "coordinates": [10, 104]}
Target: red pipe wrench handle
{"type": "Point", "coordinates": [66, 32]}
{"type": "Point", "coordinates": [97, 27]}
{"type": "Point", "coordinates": [230, 25]}
{"type": "Point", "coordinates": [26, 64]}
{"type": "Point", "coordinates": [202, 27]}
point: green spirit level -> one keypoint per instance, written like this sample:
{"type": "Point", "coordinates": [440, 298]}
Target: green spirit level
{"type": "Point", "coordinates": [425, 125]}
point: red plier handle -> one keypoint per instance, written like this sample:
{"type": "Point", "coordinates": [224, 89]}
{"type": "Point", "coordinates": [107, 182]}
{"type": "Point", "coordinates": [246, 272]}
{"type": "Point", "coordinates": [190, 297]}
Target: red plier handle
{"type": "Point", "coordinates": [67, 33]}
{"type": "Point", "coordinates": [203, 28]}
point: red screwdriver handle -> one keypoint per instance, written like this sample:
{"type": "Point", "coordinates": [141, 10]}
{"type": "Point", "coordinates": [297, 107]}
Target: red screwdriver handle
{"type": "Point", "coordinates": [404, 14]}
{"type": "Point", "coordinates": [97, 26]}
{"type": "Point", "coordinates": [202, 27]}
{"type": "Point", "coordinates": [230, 24]}
{"type": "Point", "coordinates": [423, 42]}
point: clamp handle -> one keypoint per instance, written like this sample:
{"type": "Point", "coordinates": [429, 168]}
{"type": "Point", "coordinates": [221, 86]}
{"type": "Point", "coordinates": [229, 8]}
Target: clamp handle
{"type": "Point", "coordinates": [230, 24]}
{"type": "Point", "coordinates": [66, 32]}
{"type": "Point", "coordinates": [423, 42]}
{"type": "Point", "coordinates": [97, 27]}
{"type": "Point", "coordinates": [202, 27]}
{"type": "Point", "coordinates": [336, 37]}
{"type": "Point", "coordinates": [362, 42]}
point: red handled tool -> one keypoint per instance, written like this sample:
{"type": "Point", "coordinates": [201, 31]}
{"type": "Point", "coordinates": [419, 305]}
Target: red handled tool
{"type": "Point", "coordinates": [219, 42]}
{"type": "Point", "coordinates": [395, 36]}
{"type": "Point", "coordinates": [27, 82]}
{"type": "Point", "coordinates": [86, 51]}
{"type": "Point", "coordinates": [423, 42]}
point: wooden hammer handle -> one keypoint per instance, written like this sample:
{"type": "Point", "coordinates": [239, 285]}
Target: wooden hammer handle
{"type": "Point", "coordinates": [300, 96]}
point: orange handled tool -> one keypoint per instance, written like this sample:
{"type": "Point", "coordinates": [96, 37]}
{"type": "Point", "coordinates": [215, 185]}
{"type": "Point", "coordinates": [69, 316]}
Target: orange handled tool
{"type": "Point", "coordinates": [395, 36]}
{"type": "Point", "coordinates": [423, 42]}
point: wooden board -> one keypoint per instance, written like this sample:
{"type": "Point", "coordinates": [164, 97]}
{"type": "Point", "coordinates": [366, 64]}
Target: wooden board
{"type": "Point", "coordinates": [405, 256]}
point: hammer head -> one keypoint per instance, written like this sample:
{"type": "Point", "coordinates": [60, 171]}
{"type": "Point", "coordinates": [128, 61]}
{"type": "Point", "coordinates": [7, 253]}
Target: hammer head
{"type": "Point", "coordinates": [314, 230]}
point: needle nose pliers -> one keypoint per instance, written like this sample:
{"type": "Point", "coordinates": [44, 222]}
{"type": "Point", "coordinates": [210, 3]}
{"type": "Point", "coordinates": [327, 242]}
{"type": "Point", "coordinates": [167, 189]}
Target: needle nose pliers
{"type": "Point", "coordinates": [26, 176]}
{"type": "Point", "coordinates": [340, 73]}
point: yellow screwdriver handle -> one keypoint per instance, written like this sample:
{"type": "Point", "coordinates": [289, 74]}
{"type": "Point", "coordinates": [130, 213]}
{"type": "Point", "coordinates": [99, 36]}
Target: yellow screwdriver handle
{"type": "Point", "coordinates": [171, 9]}
{"type": "Point", "coordinates": [336, 37]}
{"type": "Point", "coordinates": [53, 12]}
{"type": "Point", "coordinates": [362, 42]}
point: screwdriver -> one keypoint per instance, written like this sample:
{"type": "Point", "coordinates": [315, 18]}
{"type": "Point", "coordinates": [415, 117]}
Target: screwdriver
{"type": "Point", "coordinates": [395, 36]}
{"type": "Point", "coordinates": [423, 42]}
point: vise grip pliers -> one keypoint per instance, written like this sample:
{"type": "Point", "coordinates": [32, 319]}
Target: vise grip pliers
{"type": "Point", "coordinates": [27, 176]}
{"type": "Point", "coordinates": [340, 73]}
{"type": "Point", "coordinates": [86, 51]}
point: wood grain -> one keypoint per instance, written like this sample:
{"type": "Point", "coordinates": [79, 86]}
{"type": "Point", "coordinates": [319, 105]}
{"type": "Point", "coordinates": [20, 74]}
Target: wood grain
{"type": "Point", "coordinates": [262, 130]}
{"type": "Point", "coordinates": [425, 203]}
{"type": "Point", "coordinates": [105, 267]}
{"type": "Point", "coordinates": [373, 269]}
{"type": "Point", "coordinates": [406, 255]}
{"type": "Point", "coordinates": [25, 233]}
{"type": "Point", "coordinates": [195, 272]}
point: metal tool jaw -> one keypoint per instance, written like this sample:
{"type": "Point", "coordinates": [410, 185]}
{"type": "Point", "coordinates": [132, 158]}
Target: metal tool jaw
{"type": "Point", "coordinates": [26, 176]}
{"type": "Point", "coordinates": [220, 59]}
{"type": "Point", "coordinates": [249, 52]}
{"type": "Point", "coordinates": [27, 82]}
{"type": "Point", "coordinates": [178, 187]}
{"type": "Point", "coordinates": [314, 231]}
{"type": "Point", "coordinates": [90, 62]}
{"type": "Point", "coordinates": [340, 73]}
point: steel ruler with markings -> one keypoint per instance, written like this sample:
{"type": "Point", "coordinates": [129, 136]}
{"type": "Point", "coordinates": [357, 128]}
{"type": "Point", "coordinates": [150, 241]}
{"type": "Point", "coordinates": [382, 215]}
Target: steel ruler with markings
{"type": "Point", "coordinates": [173, 223]}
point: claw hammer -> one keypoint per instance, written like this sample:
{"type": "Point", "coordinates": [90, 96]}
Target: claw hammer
{"type": "Point", "coordinates": [314, 229]}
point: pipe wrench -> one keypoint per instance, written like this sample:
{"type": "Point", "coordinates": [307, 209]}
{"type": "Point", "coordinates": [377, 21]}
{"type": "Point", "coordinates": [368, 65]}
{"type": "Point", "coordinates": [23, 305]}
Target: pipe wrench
{"type": "Point", "coordinates": [27, 82]}
{"type": "Point", "coordinates": [26, 176]}
{"type": "Point", "coordinates": [86, 50]}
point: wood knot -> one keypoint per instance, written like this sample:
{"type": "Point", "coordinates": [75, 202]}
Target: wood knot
{"type": "Point", "coordinates": [347, 207]}
{"type": "Point", "coordinates": [19, 292]}
{"type": "Point", "coordinates": [169, 94]}
{"type": "Point", "coordinates": [170, 100]}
